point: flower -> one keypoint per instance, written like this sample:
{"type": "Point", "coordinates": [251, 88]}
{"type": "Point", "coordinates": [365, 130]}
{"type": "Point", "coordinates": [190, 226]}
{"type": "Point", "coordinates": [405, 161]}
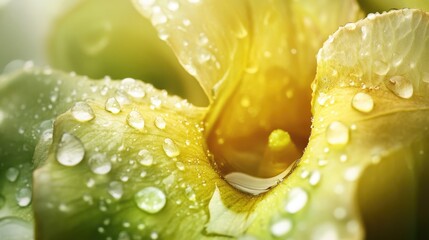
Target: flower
{"type": "Point", "coordinates": [122, 159]}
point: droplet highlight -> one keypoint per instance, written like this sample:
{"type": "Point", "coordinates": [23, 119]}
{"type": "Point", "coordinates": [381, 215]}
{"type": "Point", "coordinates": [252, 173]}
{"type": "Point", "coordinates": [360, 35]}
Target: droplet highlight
{"type": "Point", "coordinates": [400, 86]}
{"type": "Point", "coordinates": [150, 199]}
{"type": "Point", "coordinates": [363, 102]}
{"type": "Point", "coordinates": [70, 150]}
{"type": "Point", "coordinates": [99, 164]}
{"type": "Point", "coordinates": [170, 148]}
{"type": "Point", "coordinates": [135, 120]}
{"type": "Point", "coordinates": [82, 112]}
{"type": "Point", "coordinates": [337, 133]}
{"type": "Point", "coordinates": [112, 105]}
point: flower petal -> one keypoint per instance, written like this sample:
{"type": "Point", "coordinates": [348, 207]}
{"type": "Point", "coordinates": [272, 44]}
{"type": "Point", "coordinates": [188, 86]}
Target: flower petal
{"type": "Point", "coordinates": [98, 38]}
{"type": "Point", "coordinates": [253, 57]}
{"type": "Point", "coordinates": [138, 168]}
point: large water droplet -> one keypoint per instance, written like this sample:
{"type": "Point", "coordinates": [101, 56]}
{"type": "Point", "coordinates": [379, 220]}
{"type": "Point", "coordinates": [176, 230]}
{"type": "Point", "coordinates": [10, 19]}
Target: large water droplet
{"type": "Point", "coordinates": [12, 174]}
{"type": "Point", "coordinates": [170, 148]}
{"type": "Point", "coordinates": [337, 133]}
{"type": "Point", "coordinates": [146, 158]}
{"type": "Point", "coordinates": [23, 197]}
{"type": "Point", "coordinates": [297, 200]}
{"type": "Point", "coordinates": [115, 189]}
{"type": "Point", "coordinates": [400, 86]}
{"type": "Point", "coordinates": [82, 112]}
{"type": "Point", "coordinates": [13, 228]}
{"type": "Point", "coordinates": [281, 227]}
{"type": "Point", "coordinates": [99, 164]}
{"type": "Point", "coordinates": [160, 122]}
{"type": "Point", "coordinates": [135, 120]}
{"type": "Point", "coordinates": [150, 199]}
{"type": "Point", "coordinates": [112, 105]}
{"type": "Point", "coordinates": [363, 102]}
{"type": "Point", "coordinates": [70, 150]}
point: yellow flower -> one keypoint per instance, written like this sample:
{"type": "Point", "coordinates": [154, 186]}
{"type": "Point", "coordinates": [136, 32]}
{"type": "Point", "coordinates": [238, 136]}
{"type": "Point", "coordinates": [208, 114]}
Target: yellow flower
{"type": "Point", "coordinates": [288, 146]}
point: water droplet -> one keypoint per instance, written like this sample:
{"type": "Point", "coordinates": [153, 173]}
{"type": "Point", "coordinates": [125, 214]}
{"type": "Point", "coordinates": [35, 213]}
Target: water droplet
{"type": "Point", "coordinates": [154, 235]}
{"type": "Point", "coordinates": [173, 6]}
{"type": "Point", "coordinates": [343, 158]}
{"type": "Point", "coordinates": [400, 86]}
{"type": "Point", "coordinates": [70, 150]}
{"type": "Point", "coordinates": [99, 164]}
{"type": "Point", "coordinates": [170, 148]}
{"type": "Point", "coordinates": [150, 199]}
{"type": "Point", "coordinates": [112, 105]}
{"type": "Point", "coordinates": [160, 122]}
{"type": "Point", "coordinates": [180, 166]}
{"type": "Point", "coordinates": [315, 177]}
{"type": "Point", "coordinates": [136, 91]}
{"type": "Point", "coordinates": [115, 189]}
{"type": "Point", "coordinates": [381, 68]}
{"type": "Point", "coordinates": [363, 102]}
{"type": "Point", "coordinates": [352, 173]}
{"type": "Point", "coordinates": [12, 174]}
{"type": "Point", "coordinates": [350, 26]}
{"type": "Point", "coordinates": [340, 213]}
{"type": "Point", "coordinates": [13, 228]}
{"type": "Point", "coordinates": [82, 112]}
{"type": "Point", "coordinates": [135, 120]}
{"type": "Point", "coordinates": [23, 197]}
{"type": "Point", "coordinates": [337, 133]}
{"type": "Point", "coordinates": [297, 200]}
{"type": "Point", "coordinates": [190, 194]}
{"type": "Point", "coordinates": [281, 227]}
{"type": "Point", "coordinates": [155, 101]}
{"type": "Point", "coordinates": [146, 158]}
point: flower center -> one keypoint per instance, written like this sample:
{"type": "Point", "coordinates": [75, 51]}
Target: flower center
{"type": "Point", "coordinates": [257, 136]}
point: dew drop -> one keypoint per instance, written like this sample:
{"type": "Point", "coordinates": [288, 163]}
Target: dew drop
{"type": "Point", "coordinates": [136, 91]}
{"type": "Point", "coordinates": [115, 189]}
{"type": "Point", "coordinates": [363, 102]}
{"type": "Point", "coordinates": [146, 159]}
{"type": "Point", "coordinates": [352, 173]}
{"type": "Point", "coordinates": [381, 68]}
{"type": "Point", "coordinates": [173, 6]}
{"type": "Point", "coordinates": [23, 197]}
{"type": "Point", "coordinates": [70, 150]}
{"type": "Point", "coordinates": [150, 199]}
{"type": "Point", "coordinates": [99, 164]}
{"type": "Point", "coordinates": [155, 101]}
{"type": "Point", "coordinates": [170, 148]}
{"type": "Point", "coordinates": [337, 133]}
{"type": "Point", "coordinates": [160, 122]}
{"type": "Point", "coordinates": [180, 166]}
{"type": "Point", "coordinates": [112, 105]}
{"type": "Point", "coordinates": [12, 174]}
{"type": "Point", "coordinates": [82, 112]}
{"type": "Point", "coordinates": [400, 86]}
{"type": "Point", "coordinates": [13, 228]}
{"type": "Point", "coordinates": [281, 227]}
{"type": "Point", "coordinates": [135, 120]}
{"type": "Point", "coordinates": [315, 177]}
{"type": "Point", "coordinates": [297, 200]}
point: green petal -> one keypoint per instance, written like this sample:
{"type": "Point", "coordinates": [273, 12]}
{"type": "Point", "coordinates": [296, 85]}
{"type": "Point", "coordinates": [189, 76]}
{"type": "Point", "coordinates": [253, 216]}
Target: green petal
{"type": "Point", "coordinates": [30, 99]}
{"type": "Point", "coordinates": [98, 38]}
{"type": "Point", "coordinates": [166, 152]}
{"type": "Point", "coordinates": [371, 79]}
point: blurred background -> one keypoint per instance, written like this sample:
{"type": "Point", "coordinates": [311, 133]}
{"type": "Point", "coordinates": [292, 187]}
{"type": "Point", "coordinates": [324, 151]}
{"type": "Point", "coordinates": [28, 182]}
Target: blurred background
{"type": "Point", "coordinates": [95, 38]}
